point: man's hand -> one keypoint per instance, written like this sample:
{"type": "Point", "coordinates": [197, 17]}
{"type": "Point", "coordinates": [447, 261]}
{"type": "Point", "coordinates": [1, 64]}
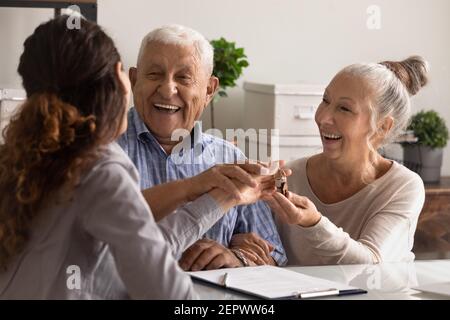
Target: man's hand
{"type": "Point", "coordinates": [208, 254]}
{"type": "Point", "coordinates": [255, 248]}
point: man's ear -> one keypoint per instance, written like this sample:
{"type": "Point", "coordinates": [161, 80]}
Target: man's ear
{"type": "Point", "coordinates": [124, 81]}
{"type": "Point", "coordinates": [213, 86]}
{"type": "Point", "coordinates": [132, 73]}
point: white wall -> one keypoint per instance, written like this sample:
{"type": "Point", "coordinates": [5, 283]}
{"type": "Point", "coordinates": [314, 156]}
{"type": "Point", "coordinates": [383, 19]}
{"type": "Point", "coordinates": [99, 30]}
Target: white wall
{"type": "Point", "coordinates": [15, 26]}
{"type": "Point", "coordinates": [285, 40]}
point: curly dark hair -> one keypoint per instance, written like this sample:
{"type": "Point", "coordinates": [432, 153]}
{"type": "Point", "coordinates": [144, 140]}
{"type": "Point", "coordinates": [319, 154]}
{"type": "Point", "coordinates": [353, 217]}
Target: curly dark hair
{"type": "Point", "coordinates": [75, 104]}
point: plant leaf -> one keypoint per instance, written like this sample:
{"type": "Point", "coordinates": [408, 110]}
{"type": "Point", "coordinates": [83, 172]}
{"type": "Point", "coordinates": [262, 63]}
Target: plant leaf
{"type": "Point", "coordinates": [229, 63]}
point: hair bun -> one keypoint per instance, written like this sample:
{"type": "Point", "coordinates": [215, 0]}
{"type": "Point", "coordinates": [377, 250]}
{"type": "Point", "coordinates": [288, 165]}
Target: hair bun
{"type": "Point", "coordinates": [412, 72]}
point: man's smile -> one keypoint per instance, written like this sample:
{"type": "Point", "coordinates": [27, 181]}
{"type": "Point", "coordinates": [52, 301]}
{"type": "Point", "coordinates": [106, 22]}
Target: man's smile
{"type": "Point", "coordinates": [166, 108]}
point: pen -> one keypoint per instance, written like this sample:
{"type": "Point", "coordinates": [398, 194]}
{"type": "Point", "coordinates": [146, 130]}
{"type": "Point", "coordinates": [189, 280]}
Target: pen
{"type": "Point", "coordinates": [319, 293]}
{"type": "Point", "coordinates": [224, 279]}
{"type": "Point", "coordinates": [351, 291]}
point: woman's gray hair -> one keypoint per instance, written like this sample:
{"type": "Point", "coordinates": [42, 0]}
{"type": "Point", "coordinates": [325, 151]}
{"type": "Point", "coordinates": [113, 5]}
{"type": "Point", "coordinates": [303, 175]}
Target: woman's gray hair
{"type": "Point", "coordinates": [392, 83]}
{"type": "Point", "coordinates": [183, 36]}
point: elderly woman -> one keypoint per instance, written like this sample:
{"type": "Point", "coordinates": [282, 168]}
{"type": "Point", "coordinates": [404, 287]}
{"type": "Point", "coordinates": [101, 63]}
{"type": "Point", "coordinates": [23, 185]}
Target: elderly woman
{"type": "Point", "coordinates": [348, 204]}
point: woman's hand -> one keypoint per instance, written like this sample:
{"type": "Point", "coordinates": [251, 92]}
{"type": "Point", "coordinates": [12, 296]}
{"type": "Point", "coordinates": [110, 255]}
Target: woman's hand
{"type": "Point", "coordinates": [253, 182]}
{"type": "Point", "coordinates": [248, 195]}
{"type": "Point", "coordinates": [261, 173]}
{"type": "Point", "coordinates": [294, 209]}
{"type": "Point", "coordinates": [221, 176]}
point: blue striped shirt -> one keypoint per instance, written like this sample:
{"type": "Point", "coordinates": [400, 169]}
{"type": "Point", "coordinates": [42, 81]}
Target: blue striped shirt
{"type": "Point", "coordinates": [156, 167]}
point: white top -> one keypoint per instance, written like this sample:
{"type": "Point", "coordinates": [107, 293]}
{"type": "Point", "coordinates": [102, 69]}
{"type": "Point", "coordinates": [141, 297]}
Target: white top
{"type": "Point", "coordinates": [107, 232]}
{"type": "Point", "coordinates": [376, 224]}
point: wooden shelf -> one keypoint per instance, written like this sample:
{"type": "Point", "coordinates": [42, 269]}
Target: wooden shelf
{"type": "Point", "coordinates": [442, 186]}
{"type": "Point", "coordinates": [433, 228]}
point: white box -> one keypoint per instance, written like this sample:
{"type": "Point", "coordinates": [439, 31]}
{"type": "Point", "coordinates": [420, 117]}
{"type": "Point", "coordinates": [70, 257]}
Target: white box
{"type": "Point", "coordinates": [282, 147]}
{"type": "Point", "coordinates": [10, 99]}
{"type": "Point", "coordinates": [290, 110]}
{"type": "Point", "coordinates": [287, 107]}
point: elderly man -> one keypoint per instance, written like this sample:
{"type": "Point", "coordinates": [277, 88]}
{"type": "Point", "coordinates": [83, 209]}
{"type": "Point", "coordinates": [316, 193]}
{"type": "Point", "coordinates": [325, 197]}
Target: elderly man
{"type": "Point", "coordinates": [172, 84]}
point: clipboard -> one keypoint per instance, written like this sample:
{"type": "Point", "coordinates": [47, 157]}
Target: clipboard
{"type": "Point", "coordinates": [270, 282]}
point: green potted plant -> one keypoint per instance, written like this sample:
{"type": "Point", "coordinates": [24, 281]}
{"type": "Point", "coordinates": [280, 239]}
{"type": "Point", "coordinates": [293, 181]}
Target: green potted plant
{"type": "Point", "coordinates": [229, 63]}
{"type": "Point", "coordinates": [432, 134]}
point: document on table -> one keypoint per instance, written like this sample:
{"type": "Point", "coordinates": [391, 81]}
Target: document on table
{"type": "Point", "coordinates": [269, 282]}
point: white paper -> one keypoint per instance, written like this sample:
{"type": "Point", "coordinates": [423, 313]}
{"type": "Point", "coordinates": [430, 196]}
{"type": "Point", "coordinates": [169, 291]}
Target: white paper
{"type": "Point", "coordinates": [268, 281]}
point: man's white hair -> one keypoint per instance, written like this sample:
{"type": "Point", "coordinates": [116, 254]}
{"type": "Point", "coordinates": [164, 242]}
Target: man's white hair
{"type": "Point", "coordinates": [182, 36]}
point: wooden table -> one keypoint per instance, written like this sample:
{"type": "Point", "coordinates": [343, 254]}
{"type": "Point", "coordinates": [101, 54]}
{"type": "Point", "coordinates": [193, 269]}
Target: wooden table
{"type": "Point", "coordinates": [433, 228]}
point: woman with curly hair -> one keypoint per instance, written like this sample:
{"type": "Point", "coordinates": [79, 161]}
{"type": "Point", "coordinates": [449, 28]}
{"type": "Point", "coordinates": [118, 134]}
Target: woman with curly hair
{"type": "Point", "coordinates": [73, 222]}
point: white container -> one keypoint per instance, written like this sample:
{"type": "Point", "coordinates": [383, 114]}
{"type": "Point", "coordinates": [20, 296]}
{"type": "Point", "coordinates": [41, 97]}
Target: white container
{"type": "Point", "coordinates": [10, 99]}
{"type": "Point", "coordinates": [283, 147]}
{"type": "Point", "coordinates": [290, 110]}
{"type": "Point", "coordinates": [287, 107]}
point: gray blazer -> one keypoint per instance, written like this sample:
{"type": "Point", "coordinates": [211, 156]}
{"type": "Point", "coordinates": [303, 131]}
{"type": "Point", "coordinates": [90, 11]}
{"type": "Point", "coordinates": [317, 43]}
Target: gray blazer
{"type": "Point", "coordinates": [105, 244]}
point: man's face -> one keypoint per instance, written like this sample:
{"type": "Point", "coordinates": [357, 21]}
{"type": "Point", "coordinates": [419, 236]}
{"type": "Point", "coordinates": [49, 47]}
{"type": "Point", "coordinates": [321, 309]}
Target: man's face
{"type": "Point", "coordinates": [170, 88]}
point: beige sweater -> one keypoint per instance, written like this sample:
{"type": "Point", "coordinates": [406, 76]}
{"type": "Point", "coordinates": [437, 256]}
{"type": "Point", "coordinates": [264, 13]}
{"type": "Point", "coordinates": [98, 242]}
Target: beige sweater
{"type": "Point", "coordinates": [376, 224]}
